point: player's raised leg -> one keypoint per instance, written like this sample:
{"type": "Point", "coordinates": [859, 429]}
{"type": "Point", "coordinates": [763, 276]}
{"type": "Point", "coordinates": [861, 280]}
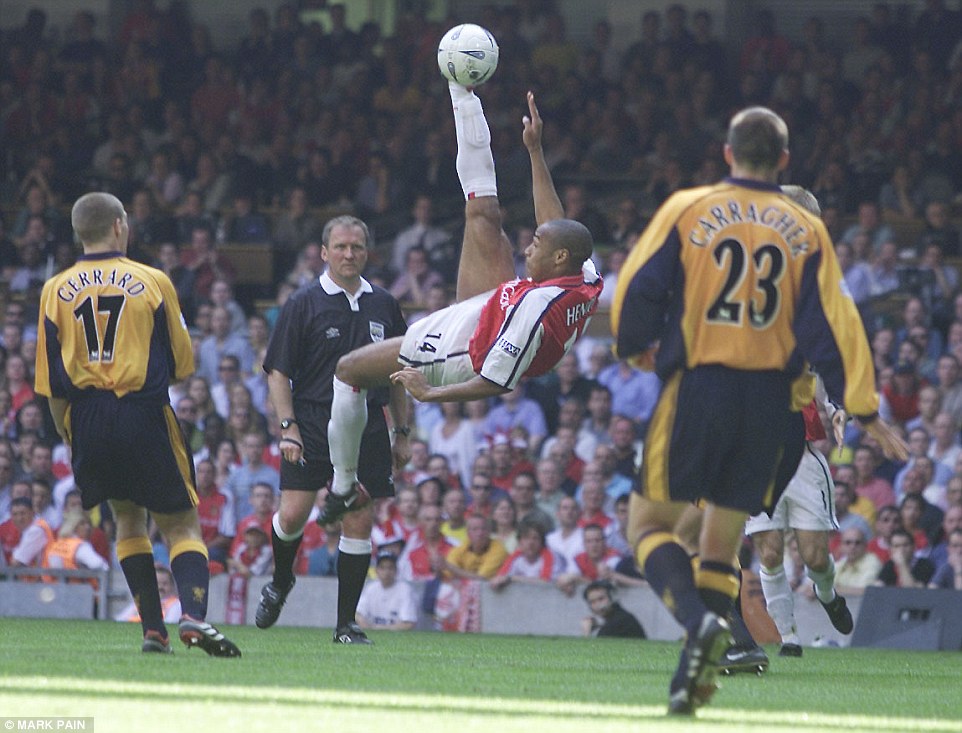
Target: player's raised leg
{"type": "Point", "coordinates": [486, 256]}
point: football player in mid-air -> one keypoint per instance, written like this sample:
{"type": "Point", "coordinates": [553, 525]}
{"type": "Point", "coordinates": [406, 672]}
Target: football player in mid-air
{"type": "Point", "coordinates": [501, 328]}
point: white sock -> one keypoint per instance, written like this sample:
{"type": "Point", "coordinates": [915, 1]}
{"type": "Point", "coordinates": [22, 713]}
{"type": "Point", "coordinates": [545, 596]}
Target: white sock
{"type": "Point", "coordinates": [344, 431]}
{"type": "Point", "coordinates": [354, 546]}
{"type": "Point", "coordinates": [824, 581]}
{"type": "Point", "coordinates": [475, 163]}
{"type": "Point", "coordinates": [286, 536]}
{"type": "Point", "coordinates": [779, 601]}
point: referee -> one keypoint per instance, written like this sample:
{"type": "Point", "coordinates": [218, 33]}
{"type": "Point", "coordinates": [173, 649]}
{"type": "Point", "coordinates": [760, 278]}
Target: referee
{"type": "Point", "coordinates": [320, 323]}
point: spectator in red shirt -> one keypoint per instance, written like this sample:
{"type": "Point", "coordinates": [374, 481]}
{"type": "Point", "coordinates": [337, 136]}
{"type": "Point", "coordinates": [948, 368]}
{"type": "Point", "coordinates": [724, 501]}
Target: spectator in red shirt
{"type": "Point", "coordinates": [532, 562]}
{"type": "Point", "coordinates": [10, 535]}
{"type": "Point", "coordinates": [218, 525]}
{"type": "Point", "coordinates": [262, 499]}
{"type": "Point", "coordinates": [523, 493]}
{"type": "Point", "coordinates": [592, 504]}
{"type": "Point", "coordinates": [213, 102]}
{"type": "Point", "coordinates": [902, 393]}
{"type": "Point", "coordinates": [423, 553]}
{"type": "Point", "coordinates": [18, 381]}
{"type": "Point", "coordinates": [253, 554]}
{"type": "Point", "coordinates": [886, 521]}
{"type": "Point", "coordinates": [207, 264]}
{"type": "Point", "coordinates": [596, 562]}
{"type": "Point", "coordinates": [867, 484]}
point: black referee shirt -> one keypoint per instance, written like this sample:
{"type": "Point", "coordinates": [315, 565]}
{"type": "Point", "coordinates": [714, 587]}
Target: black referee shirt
{"type": "Point", "coordinates": [318, 324]}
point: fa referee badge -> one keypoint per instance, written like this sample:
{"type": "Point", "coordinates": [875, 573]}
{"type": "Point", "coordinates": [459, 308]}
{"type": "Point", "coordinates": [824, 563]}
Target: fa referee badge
{"type": "Point", "coordinates": [377, 331]}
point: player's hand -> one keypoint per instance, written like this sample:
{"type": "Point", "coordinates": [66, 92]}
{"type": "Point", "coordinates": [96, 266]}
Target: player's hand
{"type": "Point", "coordinates": [891, 443]}
{"type": "Point", "coordinates": [838, 426]}
{"type": "Point", "coordinates": [414, 382]}
{"type": "Point", "coordinates": [401, 451]}
{"type": "Point", "coordinates": [532, 125]}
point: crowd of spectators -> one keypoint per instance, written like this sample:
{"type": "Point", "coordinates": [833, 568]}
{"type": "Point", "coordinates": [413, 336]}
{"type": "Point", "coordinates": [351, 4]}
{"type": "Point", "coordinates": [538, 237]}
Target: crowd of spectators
{"type": "Point", "coordinates": [257, 141]}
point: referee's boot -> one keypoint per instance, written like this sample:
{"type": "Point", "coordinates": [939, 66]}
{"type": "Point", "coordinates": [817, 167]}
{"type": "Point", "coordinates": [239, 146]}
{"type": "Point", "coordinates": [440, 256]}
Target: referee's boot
{"type": "Point", "coordinates": [202, 635]}
{"type": "Point", "coordinates": [337, 505]}
{"type": "Point", "coordinates": [839, 614]}
{"type": "Point", "coordinates": [273, 598]}
{"type": "Point", "coordinates": [350, 634]}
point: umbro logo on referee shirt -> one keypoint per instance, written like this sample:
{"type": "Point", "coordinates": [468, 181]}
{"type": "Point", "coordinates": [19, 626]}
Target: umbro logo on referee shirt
{"type": "Point", "coordinates": [332, 333]}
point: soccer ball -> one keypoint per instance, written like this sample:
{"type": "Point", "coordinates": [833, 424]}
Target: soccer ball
{"type": "Point", "coordinates": [468, 55]}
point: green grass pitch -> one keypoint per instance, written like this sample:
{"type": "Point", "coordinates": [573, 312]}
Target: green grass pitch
{"type": "Point", "coordinates": [296, 679]}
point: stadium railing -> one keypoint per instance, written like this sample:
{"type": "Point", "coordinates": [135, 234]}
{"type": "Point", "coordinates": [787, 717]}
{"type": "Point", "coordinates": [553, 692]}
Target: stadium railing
{"type": "Point", "coordinates": [54, 593]}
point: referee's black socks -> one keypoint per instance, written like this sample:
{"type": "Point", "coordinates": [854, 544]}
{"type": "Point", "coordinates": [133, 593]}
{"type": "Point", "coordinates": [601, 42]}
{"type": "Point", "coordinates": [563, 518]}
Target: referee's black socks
{"type": "Point", "coordinates": [285, 553]}
{"type": "Point", "coordinates": [353, 561]}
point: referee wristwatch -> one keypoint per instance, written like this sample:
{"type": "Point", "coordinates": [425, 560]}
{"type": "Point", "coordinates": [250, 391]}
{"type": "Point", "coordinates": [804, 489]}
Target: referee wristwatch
{"type": "Point", "coordinates": [287, 422]}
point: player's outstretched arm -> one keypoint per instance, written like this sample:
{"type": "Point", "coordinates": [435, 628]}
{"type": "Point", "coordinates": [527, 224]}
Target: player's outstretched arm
{"type": "Point", "coordinates": [889, 440]}
{"type": "Point", "coordinates": [547, 205]}
{"type": "Point", "coordinates": [475, 388]}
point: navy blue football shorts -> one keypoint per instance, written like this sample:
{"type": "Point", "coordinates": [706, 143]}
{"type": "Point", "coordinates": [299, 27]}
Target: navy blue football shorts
{"type": "Point", "coordinates": [132, 450]}
{"type": "Point", "coordinates": [718, 434]}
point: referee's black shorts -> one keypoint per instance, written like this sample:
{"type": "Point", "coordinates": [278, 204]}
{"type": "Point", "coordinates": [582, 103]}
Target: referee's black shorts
{"type": "Point", "coordinates": [374, 468]}
{"type": "Point", "coordinates": [718, 434]}
{"type": "Point", "coordinates": [130, 449]}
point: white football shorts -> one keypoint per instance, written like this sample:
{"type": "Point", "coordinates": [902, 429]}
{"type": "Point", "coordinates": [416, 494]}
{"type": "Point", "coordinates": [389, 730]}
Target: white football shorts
{"type": "Point", "coordinates": [437, 344]}
{"type": "Point", "coordinates": [808, 501]}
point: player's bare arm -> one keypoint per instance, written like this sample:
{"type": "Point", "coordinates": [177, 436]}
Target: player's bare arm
{"type": "Point", "coordinates": [547, 205]}
{"type": "Point", "coordinates": [889, 440]}
{"type": "Point", "coordinates": [417, 386]}
{"type": "Point", "coordinates": [838, 426]}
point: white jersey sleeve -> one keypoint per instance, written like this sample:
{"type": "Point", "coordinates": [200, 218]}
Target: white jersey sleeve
{"type": "Point", "coordinates": [821, 397]}
{"type": "Point", "coordinates": [32, 542]}
{"type": "Point", "coordinates": [227, 525]}
{"type": "Point", "coordinates": [519, 339]}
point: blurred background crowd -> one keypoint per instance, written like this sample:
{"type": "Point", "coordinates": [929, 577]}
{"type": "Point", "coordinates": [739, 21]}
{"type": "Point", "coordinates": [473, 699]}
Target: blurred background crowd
{"type": "Point", "coordinates": [231, 156]}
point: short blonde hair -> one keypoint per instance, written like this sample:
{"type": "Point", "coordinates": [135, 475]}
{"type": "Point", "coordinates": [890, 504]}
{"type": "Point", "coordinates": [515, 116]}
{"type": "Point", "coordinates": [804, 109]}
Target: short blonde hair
{"type": "Point", "coordinates": [93, 216]}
